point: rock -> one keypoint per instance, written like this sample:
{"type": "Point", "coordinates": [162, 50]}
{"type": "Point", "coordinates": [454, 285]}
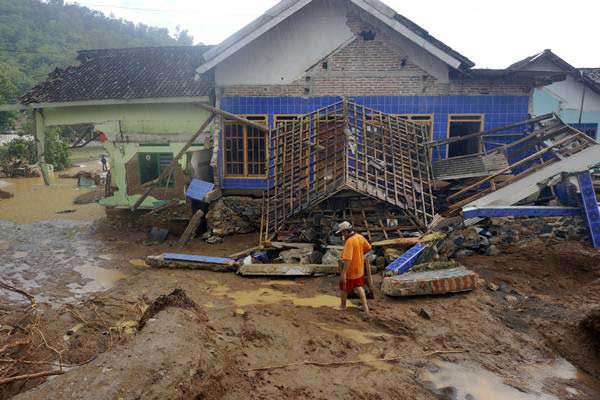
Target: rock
{"type": "Point", "coordinates": [159, 235]}
{"type": "Point", "coordinates": [332, 256]}
{"type": "Point", "coordinates": [206, 235]}
{"type": "Point", "coordinates": [511, 300]}
{"type": "Point", "coordinates": [492, 251]}
{"type": "Point", "coordinates": [426, 313]}
{"type": "Point", "coordinates": [391, 255]}
{"type": "Point", "coordinates": [464, 253]}
{"type": "Point", "coordinates": [492, 286]}
{"type": "Point", "coordinates": [214, 239]}
{"type": "Point", "coordinates": [505, 288]}
{"type": "Point", "coordinates": [234, 214]}
{"type": "Point", "coordinates": [297, 256]}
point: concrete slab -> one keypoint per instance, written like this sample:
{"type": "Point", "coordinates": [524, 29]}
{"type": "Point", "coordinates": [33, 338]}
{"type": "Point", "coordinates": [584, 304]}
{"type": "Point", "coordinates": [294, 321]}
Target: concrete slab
{"type": "Point", "coordinates": [430, 283]}
{"type": "Point", "coordinates": [287, 269]}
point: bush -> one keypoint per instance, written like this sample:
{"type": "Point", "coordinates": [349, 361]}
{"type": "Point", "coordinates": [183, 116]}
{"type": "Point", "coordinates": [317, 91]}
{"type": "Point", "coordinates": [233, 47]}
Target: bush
{"type": "Point", "coordinates": [56, 151]}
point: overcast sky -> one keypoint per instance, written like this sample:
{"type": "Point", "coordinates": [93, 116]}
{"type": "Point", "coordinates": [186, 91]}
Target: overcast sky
{"type": "Point", "coordinates": [492, 34]}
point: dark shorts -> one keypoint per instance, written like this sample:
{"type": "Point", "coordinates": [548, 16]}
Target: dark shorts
{"type": "Point", "coordinates": [352, 283]}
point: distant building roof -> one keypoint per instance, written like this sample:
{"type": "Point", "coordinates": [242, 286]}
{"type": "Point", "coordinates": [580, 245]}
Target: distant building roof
{"type": "Point", "coordinates": [130, 73]}
{"type": "Point", "coordinates": [589, 76]}
{"type": "Point", "coordinates": [592, 73]}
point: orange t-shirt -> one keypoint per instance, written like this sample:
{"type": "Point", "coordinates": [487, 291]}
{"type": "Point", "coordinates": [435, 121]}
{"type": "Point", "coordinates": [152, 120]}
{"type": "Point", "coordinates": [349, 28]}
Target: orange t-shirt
{"type": "Point", "coordinates": [354, 252]}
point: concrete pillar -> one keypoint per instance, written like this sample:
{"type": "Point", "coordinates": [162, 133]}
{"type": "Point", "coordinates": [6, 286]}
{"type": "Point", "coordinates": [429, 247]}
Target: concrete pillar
{"type": "Point", "coordinates": [40, 134]}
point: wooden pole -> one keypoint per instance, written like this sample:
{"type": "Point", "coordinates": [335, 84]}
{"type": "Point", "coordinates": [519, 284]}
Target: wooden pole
{"type": "Point", "coordinates": [171, 167]}
{"type": "Point", "coordinates": [228, 115]}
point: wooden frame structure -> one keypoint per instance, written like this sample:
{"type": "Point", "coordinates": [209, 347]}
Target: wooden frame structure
{"type": "Point", "coordinates": [544, 141]}
{"type": "Point", "coordinates": [347, 147]}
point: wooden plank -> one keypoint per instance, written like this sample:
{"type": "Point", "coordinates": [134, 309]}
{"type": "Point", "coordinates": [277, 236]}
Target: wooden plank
{"type": "Point", "coordinates": [410, 240]}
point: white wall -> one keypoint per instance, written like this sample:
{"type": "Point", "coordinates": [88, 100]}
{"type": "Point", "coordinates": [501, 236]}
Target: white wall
{"type": "Point", "coordinates": [283, 54]}
{"type": "Point", "coordinates": [569, 92]}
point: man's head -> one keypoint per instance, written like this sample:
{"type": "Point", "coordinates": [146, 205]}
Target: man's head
{"type": "Point", "coordinates": [345, 229]}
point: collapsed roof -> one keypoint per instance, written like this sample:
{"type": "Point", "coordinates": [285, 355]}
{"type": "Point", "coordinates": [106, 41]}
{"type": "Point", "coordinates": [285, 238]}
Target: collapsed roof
{"type": "Point", "coordinates": [130, 73]}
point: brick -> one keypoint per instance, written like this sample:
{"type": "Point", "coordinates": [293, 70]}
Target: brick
{"type": "Point", "coordinates": [430, 282]}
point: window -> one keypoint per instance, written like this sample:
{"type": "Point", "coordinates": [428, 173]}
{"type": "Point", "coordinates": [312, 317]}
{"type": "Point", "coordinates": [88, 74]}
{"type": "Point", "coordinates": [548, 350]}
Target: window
{"type": "Point", "coordinates": [463, 125]}
{"type": "Point", "coordinates": [281, 119]}
{"type": "Point", "coordinates": [245, 148]}
{"type": "Point", "coordinates": [421, 119]}
{"type": "Point", "coordinates": [151, 165]}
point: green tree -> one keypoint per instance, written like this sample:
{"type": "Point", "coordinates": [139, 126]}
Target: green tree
{"type": "Point", "coordinates": [56, 150]}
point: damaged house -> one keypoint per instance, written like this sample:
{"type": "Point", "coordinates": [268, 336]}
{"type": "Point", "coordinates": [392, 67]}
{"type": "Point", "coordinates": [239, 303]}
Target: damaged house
{"type": "Point", "coordinates": [325, 109]}
{"type": "Point", "coordinates": [143, 102]}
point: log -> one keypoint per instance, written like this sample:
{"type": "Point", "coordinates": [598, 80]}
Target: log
{"type": "Point", "coordinates": [192, 227]}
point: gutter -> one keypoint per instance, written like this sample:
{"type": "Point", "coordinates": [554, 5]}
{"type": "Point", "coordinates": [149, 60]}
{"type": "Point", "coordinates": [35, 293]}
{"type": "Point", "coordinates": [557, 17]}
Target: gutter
{"type": "Point", "coordinates": [108, 102]}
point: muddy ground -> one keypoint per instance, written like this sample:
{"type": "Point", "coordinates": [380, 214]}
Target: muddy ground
{"type": "Point", "coordinates": [515, 337]}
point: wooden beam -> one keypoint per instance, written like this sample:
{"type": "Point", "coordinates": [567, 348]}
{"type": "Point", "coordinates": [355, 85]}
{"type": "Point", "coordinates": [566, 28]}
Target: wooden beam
{"type": "Point", "coordinates": [407, 241]}
{"type": "Point", "coordinates": [229, 115]}
{"type": "Point", "coordinates": [171, 167]}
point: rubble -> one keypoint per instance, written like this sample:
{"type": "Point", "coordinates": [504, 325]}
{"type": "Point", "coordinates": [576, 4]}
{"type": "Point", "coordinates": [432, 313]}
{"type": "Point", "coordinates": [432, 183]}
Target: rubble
{"type": "Point", "coordinates": [18, 168]}
{"type": "Point", "coordinates": [288, 269]}
{"type": "Point", "coordinates": [234, 214]}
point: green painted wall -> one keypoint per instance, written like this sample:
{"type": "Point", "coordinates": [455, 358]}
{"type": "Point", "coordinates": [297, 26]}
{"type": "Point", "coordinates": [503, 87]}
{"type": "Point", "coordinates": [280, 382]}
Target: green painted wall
{"type": "Point", "coordinates": [171, 123]}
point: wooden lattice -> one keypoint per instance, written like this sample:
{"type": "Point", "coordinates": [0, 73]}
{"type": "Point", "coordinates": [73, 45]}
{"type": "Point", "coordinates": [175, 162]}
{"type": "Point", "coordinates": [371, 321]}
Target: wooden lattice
{"type": "Point", "coordinates": [346, 146]}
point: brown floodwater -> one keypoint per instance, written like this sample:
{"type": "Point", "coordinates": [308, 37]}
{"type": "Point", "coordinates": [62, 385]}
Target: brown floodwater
{"type": "Point", "coordinates": [33, 201]}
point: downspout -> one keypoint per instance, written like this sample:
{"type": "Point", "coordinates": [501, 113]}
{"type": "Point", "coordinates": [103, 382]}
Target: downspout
{"type": "Point", "coordinates": [582, 97]}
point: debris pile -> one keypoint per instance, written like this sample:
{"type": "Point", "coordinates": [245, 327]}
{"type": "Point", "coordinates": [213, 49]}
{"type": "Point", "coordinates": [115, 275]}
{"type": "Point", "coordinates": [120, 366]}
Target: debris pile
{"type": "Point", "coordinates": [18, 168]}
{"type": "Point", "coordinates": [233, 215]}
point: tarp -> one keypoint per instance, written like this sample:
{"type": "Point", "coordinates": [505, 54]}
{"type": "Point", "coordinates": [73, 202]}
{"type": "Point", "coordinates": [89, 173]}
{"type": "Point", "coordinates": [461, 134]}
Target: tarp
{"type": "Point", "coordinates": [198, 189]}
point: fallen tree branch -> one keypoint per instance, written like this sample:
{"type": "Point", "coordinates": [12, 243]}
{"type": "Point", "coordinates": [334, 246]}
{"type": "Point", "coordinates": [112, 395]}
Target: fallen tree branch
{"type": "Point", "coordinates": [54, 364]}
{"type": "Point", "coordinates": [29, 376]}
{"type": "Point", "coordinates": [22, 292]}
{"type": "Point", "coordinates": [14, 344]}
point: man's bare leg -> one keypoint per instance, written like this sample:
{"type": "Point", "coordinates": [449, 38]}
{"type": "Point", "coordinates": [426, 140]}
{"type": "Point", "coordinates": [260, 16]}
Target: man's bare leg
{"type": "Point", "coordinates": [343, 298]}
{"type": "Point", "coordinates": [363, 298]}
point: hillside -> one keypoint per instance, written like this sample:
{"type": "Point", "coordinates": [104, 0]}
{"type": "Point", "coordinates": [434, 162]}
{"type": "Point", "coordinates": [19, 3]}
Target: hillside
{"type": "Point", "coordinates": [37, 36]}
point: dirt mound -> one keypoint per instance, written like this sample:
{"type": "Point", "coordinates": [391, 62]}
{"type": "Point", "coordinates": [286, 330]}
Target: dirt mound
{"type": "Point", "coordinates": [177, 298]}
{"type": "Point", "coordinates": [172, 358]}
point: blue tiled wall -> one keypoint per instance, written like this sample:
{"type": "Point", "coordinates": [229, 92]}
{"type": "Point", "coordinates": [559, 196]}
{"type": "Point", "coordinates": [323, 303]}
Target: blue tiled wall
{"type": "Point", "coordinates": [497, 111]}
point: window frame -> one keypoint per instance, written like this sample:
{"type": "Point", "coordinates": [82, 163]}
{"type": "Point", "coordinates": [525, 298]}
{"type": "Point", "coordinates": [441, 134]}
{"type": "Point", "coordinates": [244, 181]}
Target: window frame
{"type": "Point", "coordinates": [259, 118]}
{"type": "Point", "coordinates": [481, 121]}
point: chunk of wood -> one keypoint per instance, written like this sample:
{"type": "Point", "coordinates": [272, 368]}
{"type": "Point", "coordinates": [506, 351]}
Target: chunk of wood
{"type": "Point", "coordinates": [410, 240]}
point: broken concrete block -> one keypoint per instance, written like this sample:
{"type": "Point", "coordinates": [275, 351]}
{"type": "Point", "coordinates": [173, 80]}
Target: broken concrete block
{"type": "Point", "coordinates": [332, 256]}
{"type": "Point", "coordinates": [297, 256]}
{"type": "Point", "coordinates": [430, 282]}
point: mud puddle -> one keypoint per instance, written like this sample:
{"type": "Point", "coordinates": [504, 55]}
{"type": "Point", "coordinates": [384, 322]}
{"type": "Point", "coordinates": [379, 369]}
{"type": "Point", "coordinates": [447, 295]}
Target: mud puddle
{"type": "Point", "coordinates": [266, 296]}
{"type": "Point", "coordinates": [539, 381]}
{"type": "Point", "coordinates": [33, 201]}
{"type": "Point", "coordinates": [57, 261]}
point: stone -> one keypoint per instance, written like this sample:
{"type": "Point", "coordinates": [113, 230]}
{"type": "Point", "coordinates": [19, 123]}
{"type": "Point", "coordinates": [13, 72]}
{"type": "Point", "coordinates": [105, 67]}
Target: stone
{"type": "Point", "coordinates": [426, 313]}
{"type": "Point", "coordinates": [332, 256]}
{"type": "Point", "coordinates": [159, 235]}
{"type": "Point", "coordinates": [234, 214]}
{"type": "Point", "coordinates": [214, 239]}
{"type": "Point", "coordinates": [492, 251]}
{"type": "Point", "coordinates": [297, 256]}
{"type": "Point", "coordinates": [464, 253]}
{"type": "Point", "coordinates": [206, 235]}
{"type": "Point", "coordinates": [430, 282]}
{"type": "Point", "coordinates": [492, 286]}
{"type": "Point", "coordinates": [511, 300]}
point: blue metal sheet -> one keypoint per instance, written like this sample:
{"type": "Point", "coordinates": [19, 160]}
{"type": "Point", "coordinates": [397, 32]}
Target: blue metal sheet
{"type": "Point", "coordinates": [406, 261]}
{"type": "Point", "coordinates": [590, 206]}
{"type": "Point", "coordinates": [517, 211]}
{"type": "Point", "coordinates": [197, 189]}
{"type": "Point", "coordinates": [197, 258]}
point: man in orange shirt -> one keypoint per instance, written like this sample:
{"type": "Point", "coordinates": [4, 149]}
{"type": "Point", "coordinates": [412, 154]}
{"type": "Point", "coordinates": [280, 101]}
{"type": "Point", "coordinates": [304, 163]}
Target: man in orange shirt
{"type": "Point", "coordinates": [353, 258]}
